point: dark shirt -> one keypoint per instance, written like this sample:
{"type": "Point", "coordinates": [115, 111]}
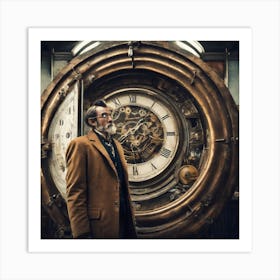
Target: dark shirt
{"type": "Point", "coordinates": [111, 148]}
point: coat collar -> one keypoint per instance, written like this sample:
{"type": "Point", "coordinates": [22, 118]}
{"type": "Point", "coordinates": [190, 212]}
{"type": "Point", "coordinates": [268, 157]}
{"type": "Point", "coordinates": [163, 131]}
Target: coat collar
{"type": "Point", "coordinates": [99, 146]}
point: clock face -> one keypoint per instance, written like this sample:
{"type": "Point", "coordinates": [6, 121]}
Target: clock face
{"type": "Point", "coordinates": [147, 130]}
{"type": "Point", "coordinates": [63, 128]}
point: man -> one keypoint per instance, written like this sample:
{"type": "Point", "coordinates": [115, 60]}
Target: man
{"type": "Point", "coordinates": [98, 199]}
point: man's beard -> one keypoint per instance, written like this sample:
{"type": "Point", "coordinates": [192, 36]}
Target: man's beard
{"type": "Point", "coordinates": [109, 128]}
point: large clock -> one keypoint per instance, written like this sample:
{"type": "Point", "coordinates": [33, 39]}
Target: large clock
{"type": "Point", "coordinates": [147, 130]}
{"type": "Point", "coordinates": [176, 121]}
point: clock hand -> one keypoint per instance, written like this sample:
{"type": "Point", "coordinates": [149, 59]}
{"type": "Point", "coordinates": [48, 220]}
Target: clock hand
{"type": "Point", "coordinates": [155, 138]}
{"type": "Point", "coordinates": [132, 130]}
{"type": "Point", "coordinates": [123, 137]}
{"type": "Point", "coordinates": [138, 125]}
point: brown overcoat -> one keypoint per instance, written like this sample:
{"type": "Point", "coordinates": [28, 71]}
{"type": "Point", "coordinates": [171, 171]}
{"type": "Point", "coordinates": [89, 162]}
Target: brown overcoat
{"type": "Point", "coordinates": [93, 188]}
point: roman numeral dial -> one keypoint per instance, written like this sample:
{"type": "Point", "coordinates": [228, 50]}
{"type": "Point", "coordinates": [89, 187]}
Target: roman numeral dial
{"type": "Point", "coordinates": [63, 128]}
{"type": "Point", "coordinates": [148, 131]}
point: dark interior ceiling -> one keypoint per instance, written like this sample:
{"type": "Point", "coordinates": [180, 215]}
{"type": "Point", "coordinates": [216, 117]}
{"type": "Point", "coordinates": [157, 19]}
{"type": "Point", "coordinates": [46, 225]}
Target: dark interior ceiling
{"type": "Point", "coordinates": [220, 46]}
{"type": "Point", "coordinates": [58, 46]}
{"type": "Point", "coordinates": [209, 46]}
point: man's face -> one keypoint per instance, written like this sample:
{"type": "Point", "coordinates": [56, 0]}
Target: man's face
{"type": "Point", "coordinates": [104, 122]}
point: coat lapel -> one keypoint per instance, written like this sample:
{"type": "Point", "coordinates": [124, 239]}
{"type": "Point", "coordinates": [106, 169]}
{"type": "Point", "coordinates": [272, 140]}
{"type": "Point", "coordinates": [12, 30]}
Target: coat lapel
{"type": "Point", "coordinates": [96, 142]}
{"type": "Point", "coordinates": [122, 158]}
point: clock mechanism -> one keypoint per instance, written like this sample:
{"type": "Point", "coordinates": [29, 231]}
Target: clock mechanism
{"type": "Point", "coordinates": [147, 130]}
{"type": "Point", "coordinates": [177, 124]}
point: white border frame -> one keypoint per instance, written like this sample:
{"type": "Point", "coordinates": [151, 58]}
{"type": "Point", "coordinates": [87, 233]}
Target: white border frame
{"type": "Point", "coordinates": [244, 243]}
{"type": "Point", "coordinates": [262, 16]}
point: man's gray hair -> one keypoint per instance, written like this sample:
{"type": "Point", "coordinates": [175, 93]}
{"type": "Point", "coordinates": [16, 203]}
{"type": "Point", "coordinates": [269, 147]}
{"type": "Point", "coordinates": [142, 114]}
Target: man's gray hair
{"type": "Point", "coordinates": [91, 112]}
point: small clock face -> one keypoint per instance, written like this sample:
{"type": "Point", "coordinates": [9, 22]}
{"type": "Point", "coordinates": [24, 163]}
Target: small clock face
{"type": "Point", "coordinates": [147, 129]}
{"type": "Point", "coordinates": [63, 128]}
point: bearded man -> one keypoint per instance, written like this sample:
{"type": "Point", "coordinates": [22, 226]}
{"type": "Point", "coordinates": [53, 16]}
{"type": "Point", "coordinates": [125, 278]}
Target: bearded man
{"type": "Point", "coordinates": [98, 199]}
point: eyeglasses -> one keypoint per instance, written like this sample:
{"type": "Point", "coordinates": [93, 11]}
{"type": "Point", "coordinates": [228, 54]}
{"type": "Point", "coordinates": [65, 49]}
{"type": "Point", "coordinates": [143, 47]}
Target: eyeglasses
{"type": "Point", "coordinates": [104, 116]}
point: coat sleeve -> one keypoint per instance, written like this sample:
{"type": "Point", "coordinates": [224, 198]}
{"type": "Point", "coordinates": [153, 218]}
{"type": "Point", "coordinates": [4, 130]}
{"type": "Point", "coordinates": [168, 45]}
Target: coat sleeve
{"type": "Point", "coordinates": [76, 188]}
